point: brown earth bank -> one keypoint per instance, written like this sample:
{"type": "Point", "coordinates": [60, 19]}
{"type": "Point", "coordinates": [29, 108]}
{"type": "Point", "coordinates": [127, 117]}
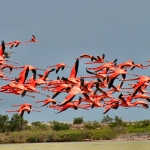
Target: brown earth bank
{"type": "Point", "coordinates": [134, 136]}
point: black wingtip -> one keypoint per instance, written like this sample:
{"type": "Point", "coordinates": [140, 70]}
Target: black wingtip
{"type": "Point", "coordinates": [23, 93]}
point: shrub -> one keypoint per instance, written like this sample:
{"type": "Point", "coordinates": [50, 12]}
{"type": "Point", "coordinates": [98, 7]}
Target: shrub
{"type": "Point", "coordinates": [39, 125]}
{"type": "Point", "coordinates": [92, 125]}
{"type": "Point", "coordinates": [89, 125]}
{"type": "Point", "coordinates": [78, 120]}
{"type": "Point", "coordinates": [106, 119]}
{"type": "Point", "coordinates": [117, 122]}
{"type": "Point", "coordinates": [60, 126]}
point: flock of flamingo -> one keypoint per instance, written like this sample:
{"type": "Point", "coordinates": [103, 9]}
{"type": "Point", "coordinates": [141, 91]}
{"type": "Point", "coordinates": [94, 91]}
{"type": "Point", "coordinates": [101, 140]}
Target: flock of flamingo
{"type": "Point", "coordinates": [96, 91]}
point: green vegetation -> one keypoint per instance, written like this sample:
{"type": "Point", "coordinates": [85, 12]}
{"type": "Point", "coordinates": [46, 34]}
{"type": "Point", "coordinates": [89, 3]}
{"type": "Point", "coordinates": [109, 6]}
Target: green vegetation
{"type": "Point", "coordinates": [18, 130]}
{"type": "Point", "coordinates": [78, 120]}
{"type": "Point", "coordinates": [57, 126]}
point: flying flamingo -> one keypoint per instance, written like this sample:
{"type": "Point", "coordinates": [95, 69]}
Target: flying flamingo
{"type": "Point", "coordinates": [22, 109]}
{"type": "Point", "coordinates": [109, 102]}
{"type": "Point", "coordinates": [72, 77]}
{"type": "Point", "coordinates": [127, 64]}
{"type": "Point", "coordinates": [24, 105]}
{"type": "Point", "coordinates": [88, 99]}
{"type": "Point", "coordinates": [8, 66]}
{"type": "Point", "coordinates": [32, 68]}
{"type": "Point", "coordinates": [14, 43]}
{"type": "Point", "coordinates": [19, 85]}
{"type": "Point", "coordinates": [73, 104]}
{"type": "Point", "coordinates": [139, 102]}
{"type": "Point", "coordinates": [101, 84]}
{"type": "Point", "coordinates": [10, 90]}
{"type": "Point", "coordinates": [142, 96]}
{"type": "Point", "coordinates": [74, 90]}
{"type": "Point", "coordinates": [87, 56]}
{"type": "Point", "coordinates": [33, 39]}
{"type": "Point", "coordinates": [60, 65]}
{"type": "Point", "coordinates": [142, 81]}
{"type": "Point", "coordinates": [139, 66]}
{"type": "Point", "coordinates": [60, 88]}
{"type": "Point", "coordinates": [30, 86]}
{"type": "Point", "coordinates": [113, 105]}
{"type": "Point", "coordinates": [125, 103]}
{"type": "Point", "coordinates": [74, 69]}
{"type": "Point", "coordinates": [98, 60]}
{"type": "Point", "coordinates": [47, 101]}
{"type": "Point", "coordinates": [101, 75]}
{"type": "Point", "coordinates": [53, 82]}
{"type": "Point", "coordinates": [128, 103]}
{"type": "Point", "coordinates": [104, 66]}
{"type": "Point", "coordinates": [116, 88]}
{"type": "Point", "coordinates": [11, 44]}
{"type": "Point", "coordinates": [42, 78]}
{"type": "Point", "coordinates": [116, 73]}
{"type": "Point", "coordinates": [140, 90]}
{"type": "Point", "coordinates": [104, 94]}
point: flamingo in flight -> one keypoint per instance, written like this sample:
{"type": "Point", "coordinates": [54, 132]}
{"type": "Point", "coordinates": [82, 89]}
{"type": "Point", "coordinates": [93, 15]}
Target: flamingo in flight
{"type": "Point", "coordinates": [14, 43]}
{"type": "Point", "coordinates": [32, 68]}
{"type": "Point", "coordinates": [142, 81]}
{"type": "Point", "coordinates": [60, 65]}
{"type": "Point", "coordinates": [104, 66]}
{"type": "Point", "coordinates": [101, 75]}
{"type": "Point", "coordinates": [47, 101]}
{"type": "Point", "coordinates": [127, 64]}
{"type": "Point", "coordinates": [142, 96]}
{"type": "Point", "coordinates": [139, 66]}
{"type": "Point", "coordinates": [116, 73]}
{"type": "Point", "coordinates": [73, 104]}
{"type": "Point", "coordinates": [42, 78]}
{"type": "Point", "coordinates": [72, 77]}
{"type": "Point", "coordinates": [21, 110]}
{"type": "Point", "coordinates": [8, 66]}
{"type": "Point", "coordinates": [87, 56]}
{"type": "Point", "coordinates": [33, 39]}
{"type": "Point", "coordinates": [128, 102]}
{"type": "Point", "coordinates": [30, 86]}
{"type": "Point", "coordinates": [24, 105]}
{"type": "Point", "coordinates": [98, 60]}
{"type": "Point", "coordinates": [113, 105]}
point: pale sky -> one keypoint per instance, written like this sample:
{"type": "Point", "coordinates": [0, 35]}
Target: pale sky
{"type": "Point", "coordinates": [67, 29]}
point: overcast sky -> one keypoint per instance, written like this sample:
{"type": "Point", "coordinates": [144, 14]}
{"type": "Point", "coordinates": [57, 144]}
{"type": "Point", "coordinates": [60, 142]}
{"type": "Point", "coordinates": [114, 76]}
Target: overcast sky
{"type": "Point", "coordinates": [67, 29]}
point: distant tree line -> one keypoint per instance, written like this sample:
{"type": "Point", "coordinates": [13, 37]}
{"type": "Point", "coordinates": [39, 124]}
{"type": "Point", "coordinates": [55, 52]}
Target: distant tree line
{"type": "Point", "coordinates": [16, 123]}
{"type": "Point", "coordinates": [18, 130]}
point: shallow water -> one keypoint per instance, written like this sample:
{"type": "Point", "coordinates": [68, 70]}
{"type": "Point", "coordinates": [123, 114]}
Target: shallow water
{"type": "Point", "coordinates": [100, 145]}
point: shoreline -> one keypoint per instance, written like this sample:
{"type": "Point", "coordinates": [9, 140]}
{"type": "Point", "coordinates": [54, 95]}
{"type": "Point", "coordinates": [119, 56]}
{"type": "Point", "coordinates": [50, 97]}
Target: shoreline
{"type": "Point", "coordinates": [115, 140]}
{"type": "Point", "coordinates": [86, 140]}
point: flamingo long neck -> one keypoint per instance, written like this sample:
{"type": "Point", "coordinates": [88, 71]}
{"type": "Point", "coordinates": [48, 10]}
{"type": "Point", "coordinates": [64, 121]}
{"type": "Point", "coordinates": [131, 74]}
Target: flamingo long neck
{"type": "Point", "coordinates": [89, 76]}
{"type": "Point", "coordinates": [36, 110]}
{"type": "Point", "coordinates": [131, 79]}
{"type": "Point", "coordinates": [12, 110]}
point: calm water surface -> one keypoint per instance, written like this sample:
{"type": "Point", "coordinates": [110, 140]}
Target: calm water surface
{"type": "Point", "coordinates": [101, 145]}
